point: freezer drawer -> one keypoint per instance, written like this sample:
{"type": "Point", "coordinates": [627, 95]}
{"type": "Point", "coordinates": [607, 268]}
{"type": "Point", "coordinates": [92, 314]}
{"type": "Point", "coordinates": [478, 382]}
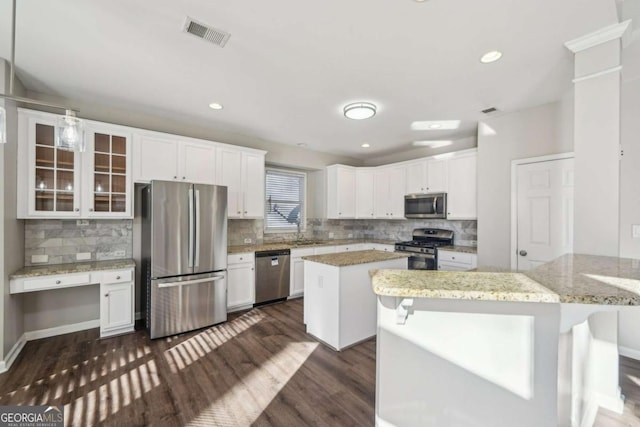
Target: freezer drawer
{"type": "Point", "coordinates": [185, 303]}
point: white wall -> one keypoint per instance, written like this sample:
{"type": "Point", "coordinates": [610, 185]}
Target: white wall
{"type": "Point", "coordinates": [538, 131]}
{"type": "Point", "coordinates": [11, 229]}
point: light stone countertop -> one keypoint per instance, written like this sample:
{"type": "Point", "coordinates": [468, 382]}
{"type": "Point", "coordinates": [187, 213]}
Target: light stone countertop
{"type": "Point", "coordinates": [486, 286]}
{"type": "Point", "coordinates": [579, 279]}
{"type": "Point", "coordinates": [305, 243]}
{"type": "Point", "coordinates": [52, 269]}
{"type": "Point", "coordinates": [462, 249]}
{"type": "Point", "coordinates": [345, 259]}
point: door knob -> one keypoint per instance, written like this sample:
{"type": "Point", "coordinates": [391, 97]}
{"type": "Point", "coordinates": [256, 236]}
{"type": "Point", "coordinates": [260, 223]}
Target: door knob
{"type": "Point", "coordinates": [523, 253]}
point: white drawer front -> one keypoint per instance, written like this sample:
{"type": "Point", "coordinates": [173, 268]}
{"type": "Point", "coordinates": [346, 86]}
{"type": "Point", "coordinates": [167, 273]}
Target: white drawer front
{"type": "Point", "coordinates": [53, 282]}
{"type": "Point", "coordinates": [459, 257]}
{"type": "Point", "coordinates": [240, 258]}
{"type": "Point", "coordinates": [117, 276]}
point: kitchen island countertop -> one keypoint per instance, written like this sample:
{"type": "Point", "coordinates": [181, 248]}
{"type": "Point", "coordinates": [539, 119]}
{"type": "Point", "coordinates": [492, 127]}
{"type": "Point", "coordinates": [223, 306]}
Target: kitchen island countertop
{"type": "Point", "coordinates": [345, 259]}
{"type": "Point", "coordinates": [571, 278]}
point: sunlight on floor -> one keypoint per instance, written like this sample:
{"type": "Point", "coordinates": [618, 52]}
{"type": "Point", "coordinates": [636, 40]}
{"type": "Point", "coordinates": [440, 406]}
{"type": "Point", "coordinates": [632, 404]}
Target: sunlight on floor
{"type": "Point", "coordinates": [189, 351]}
{"type": "Point", "coordinates": [256, 390]}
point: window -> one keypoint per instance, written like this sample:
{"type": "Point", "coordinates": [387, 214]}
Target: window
{"type": "Point", "coordinates": [284, 207]}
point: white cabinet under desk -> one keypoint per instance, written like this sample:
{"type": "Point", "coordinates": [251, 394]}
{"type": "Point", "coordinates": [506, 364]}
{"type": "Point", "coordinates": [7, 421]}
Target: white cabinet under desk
{"type": "Point", "coordinates": [115, 279]}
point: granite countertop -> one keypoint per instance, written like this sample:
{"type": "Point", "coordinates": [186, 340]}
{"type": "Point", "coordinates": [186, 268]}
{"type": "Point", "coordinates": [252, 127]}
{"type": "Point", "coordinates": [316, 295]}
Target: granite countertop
{"type": "Point", "coordinates": [306, 243]}
{"type": "Point", "coordinates": [580, 279]}
{"type": "Point", "coordinates": [462, 249]}
{"type": "Point", "coordinates": [345, 259]}
{"type": "Point", "coordinates": [51, 269]}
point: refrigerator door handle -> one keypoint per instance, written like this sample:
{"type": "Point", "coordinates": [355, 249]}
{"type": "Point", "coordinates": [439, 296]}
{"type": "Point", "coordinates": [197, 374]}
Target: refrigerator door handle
{"type": "Point", "coordinates": [197, 242]}
{"type": "Point", "coordinates": [191, 228]}
{"type": "Point", "coordinates": [189, 282]}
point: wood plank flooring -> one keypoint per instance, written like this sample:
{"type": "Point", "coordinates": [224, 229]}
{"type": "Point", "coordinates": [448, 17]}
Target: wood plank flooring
{"type": "Point", "coordinates": [259, 368]}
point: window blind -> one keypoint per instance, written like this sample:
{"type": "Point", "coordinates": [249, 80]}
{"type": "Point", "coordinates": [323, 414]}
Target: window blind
{"type": "Point", "coordinates": [285, 200]}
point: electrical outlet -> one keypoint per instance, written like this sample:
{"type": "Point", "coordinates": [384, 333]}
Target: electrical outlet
{"type": "Point", "coordinates": [39, 259]}
{"type": "Point", "coordinates": [635, 231]}
{"type": "Point", "coordinates": [82, 222]}
{"type": "Point", "coordinates": [119, 253]}
{"type": "Point", "coordinates": [248, 240]}
{"type": "Point", "coordinates": [83, 256]}
{"type": "Point", "coordinates": [331, 235]}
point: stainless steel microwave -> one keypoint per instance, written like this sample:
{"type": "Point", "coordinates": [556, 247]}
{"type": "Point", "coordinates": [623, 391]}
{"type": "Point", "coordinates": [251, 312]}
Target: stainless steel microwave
{"type": "Point", "coordinates": [430, 205]}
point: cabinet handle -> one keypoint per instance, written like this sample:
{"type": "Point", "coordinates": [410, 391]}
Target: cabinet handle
{"type": "Point", "coordinates": [175, 177]}
{"type": "Point", "coordinates": [241, 258]}
{"type": "Point", "coordinates": [77, 209]}
{"type": "Point", "coordinates": [90, 209]}
{"type": "Point", "coordinates": [58, 282]}
{"type": "Point", "coordinates": [251, 268]}
{"type": "Point", "coordinates": [106, 295]}
{"type": "Point", "coordinates": [117, 277]}
{"type": "Point", "coordinates": [245, 212]}
{"type": "Point", "coordinates": [183, 177]}
{"type": "Point", "coordinates": [238, 212]}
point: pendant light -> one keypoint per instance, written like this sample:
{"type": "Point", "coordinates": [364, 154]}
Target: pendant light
{"type": "Point", "coordinates": [69, 132]}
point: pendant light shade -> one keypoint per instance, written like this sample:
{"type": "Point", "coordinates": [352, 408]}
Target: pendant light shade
{"type": "Point", "coordinates": [3, 126]}
{"type": "Point", "coordinates": [70, 136]}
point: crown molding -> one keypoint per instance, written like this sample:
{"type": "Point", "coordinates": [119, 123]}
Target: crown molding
{"type": "Point", "coordinates": [621, 31]}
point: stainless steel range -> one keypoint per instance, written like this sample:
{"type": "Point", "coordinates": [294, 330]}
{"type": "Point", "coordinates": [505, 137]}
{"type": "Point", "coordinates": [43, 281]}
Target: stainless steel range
{"type": "Point", "coordinates": [423, 247]}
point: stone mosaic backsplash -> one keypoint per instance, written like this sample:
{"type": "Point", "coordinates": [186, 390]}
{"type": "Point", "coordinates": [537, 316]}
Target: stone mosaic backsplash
{"type": "Point", "coordinates": [465, 232]}
{"type": "Point", "coordinates": [62, 240]}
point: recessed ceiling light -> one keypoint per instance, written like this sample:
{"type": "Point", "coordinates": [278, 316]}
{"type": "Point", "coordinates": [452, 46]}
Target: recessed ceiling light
{"type": "Point", "coordinates": [365, 145]}
{"type": "Point", "coordinates": [432, 144]}
{"type": "Point", "coordinates": [359, 110]}
{"type": "Point", "coordinates": [435, 125]}
{"type": "Point", "coordinates": [491, 56]}
{"type": "Point", "coordinates": [302, 144]}
{"type": "Point", "coordinates": [216, 106]}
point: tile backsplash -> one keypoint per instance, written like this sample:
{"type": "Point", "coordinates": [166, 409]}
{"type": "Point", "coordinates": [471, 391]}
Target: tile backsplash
{"type": "Point", "coordinates": [465, 232]}
{"type": "Point", "coordinates": [62, 240]}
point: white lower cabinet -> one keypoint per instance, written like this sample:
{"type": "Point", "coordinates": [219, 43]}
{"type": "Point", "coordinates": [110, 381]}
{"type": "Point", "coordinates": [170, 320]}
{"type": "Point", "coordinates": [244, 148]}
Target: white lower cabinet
{"type": "Point", "coordinates": [296, 284]}
{"type": "Point", "coordinates": [456, 261]}
{"type": "Point", "coordinates": [240, 281]}
{"type": "Point", "coordinates": [116, 302]}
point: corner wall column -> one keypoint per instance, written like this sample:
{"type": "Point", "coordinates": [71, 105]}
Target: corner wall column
{"type": "Point", "coordinates": [597, 139]}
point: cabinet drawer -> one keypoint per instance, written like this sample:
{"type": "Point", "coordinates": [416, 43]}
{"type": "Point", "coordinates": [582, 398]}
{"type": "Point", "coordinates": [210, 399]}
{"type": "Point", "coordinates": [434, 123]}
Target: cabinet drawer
{"type": "Point", "coordinates": [117, 276]}
{"type": "Point", "coordinates": [241, 258]}
{"type": "Point", "coordinates": [457, 257]}
{"type": "Point", "coordinates": [54, 282]}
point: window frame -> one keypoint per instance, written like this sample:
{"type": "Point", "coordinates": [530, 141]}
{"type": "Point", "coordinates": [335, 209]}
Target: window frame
{"type": "Point", "coordinates": [303, 212]}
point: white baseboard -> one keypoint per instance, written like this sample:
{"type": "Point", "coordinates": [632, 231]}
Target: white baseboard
{"type": "Point", "coordinates": [61, 330]}
{"type": "Point", "coordinates": [629, 352]}
{"type": "Point", "coordinates": [13, 354]}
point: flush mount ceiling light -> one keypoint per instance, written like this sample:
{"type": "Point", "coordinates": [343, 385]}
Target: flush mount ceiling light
{"type": "Point", "coordinates": [435, 125]}
{"type": "Point", "coordinates": [69, 133]}
{"type": "Point", "coordinates": [432, 144]}
{"type": "Point", "coordinates": [491, 56]}
{"type": "Point", "coordinates": [360, 110]}
{"type": "Point", "coordinates": [216, 106]}
{"type": "Point", "coordinates": [365, 145]}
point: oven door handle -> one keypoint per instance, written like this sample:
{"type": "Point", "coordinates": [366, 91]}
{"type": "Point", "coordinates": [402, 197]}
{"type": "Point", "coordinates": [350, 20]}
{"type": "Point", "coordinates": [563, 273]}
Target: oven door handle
{"type": "Point", "coordinates": [421, 255]}
{"type": "Point", "coordinates": [435, 204]}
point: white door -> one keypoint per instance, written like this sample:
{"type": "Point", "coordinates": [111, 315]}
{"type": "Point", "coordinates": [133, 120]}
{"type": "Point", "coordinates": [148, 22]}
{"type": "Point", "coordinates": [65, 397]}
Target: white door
{"type": "Point", "coordinates": [544, 212]}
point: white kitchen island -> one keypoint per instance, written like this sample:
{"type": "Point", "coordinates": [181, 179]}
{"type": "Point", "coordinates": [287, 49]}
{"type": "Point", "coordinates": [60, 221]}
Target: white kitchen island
{"type": "Point", "coordinates": [339, 304]}
{"type": "Point", "coordinates": [502, 349]}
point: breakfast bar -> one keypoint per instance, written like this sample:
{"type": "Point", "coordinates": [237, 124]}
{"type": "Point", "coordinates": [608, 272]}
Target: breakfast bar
{"type": "Point", "coordinates": [501, 348]}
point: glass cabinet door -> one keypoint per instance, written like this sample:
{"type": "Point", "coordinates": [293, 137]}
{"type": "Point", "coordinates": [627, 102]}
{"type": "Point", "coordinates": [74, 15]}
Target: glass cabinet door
{"type": "Point", "coordinates": [55, 174]}
{"type": "Point", "coordinates": [109, 174]}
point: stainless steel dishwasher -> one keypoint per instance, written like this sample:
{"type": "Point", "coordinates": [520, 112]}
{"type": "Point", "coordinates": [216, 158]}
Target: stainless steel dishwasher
{"type": "Point", "coordinates": [272, 276]}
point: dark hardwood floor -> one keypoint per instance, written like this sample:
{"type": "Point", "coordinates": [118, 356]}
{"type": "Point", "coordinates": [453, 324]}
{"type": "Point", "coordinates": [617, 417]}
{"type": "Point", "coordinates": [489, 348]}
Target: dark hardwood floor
{"type": "Point", "coordinates": [259, 368]}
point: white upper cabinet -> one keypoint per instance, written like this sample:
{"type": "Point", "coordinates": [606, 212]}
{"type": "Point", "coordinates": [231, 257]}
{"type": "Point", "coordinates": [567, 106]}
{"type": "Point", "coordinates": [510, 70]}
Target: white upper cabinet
{"type": "Point", "coordinates": [53, 183]}
{"type": "Point", "coordinates": [364, 193]}
{"type": "Point", "coordinates": [168, 158]}
{"type": "Point", "coordinates": [341, 186]}
{"type": "Point", "coordinates": [243, 174]}
{"type": "Point", "coordinates": [389, 185]}
{"type": "Point", "coordinates": [462, 183]}
{"type": "Point", "coordinates": [427, 176]}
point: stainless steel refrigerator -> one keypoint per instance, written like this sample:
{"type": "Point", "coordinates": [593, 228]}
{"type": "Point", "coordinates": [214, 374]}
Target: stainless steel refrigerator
{"type": "Point", "coordinates": [184, 256]}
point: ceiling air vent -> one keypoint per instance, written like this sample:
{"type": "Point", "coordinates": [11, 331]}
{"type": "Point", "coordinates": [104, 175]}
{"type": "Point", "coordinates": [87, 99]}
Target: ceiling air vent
{"type": "Point", "coordinates": [490, 110]}
{"type": "Point", "coordinates": [205, 32]}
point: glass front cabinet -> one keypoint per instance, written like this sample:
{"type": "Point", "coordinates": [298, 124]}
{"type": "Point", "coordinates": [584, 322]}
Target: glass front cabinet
{"type": "Point", "coordinates": [54, 183]}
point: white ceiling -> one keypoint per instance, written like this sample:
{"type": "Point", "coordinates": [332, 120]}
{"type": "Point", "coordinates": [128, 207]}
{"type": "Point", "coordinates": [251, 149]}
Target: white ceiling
{"type": "Point", "coordinates": [291, 65]}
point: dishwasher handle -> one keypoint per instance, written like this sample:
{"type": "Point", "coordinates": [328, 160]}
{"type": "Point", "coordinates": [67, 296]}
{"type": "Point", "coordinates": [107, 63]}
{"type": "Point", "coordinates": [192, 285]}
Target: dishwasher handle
{"type": "Point", "coordinates": [265, 254]}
